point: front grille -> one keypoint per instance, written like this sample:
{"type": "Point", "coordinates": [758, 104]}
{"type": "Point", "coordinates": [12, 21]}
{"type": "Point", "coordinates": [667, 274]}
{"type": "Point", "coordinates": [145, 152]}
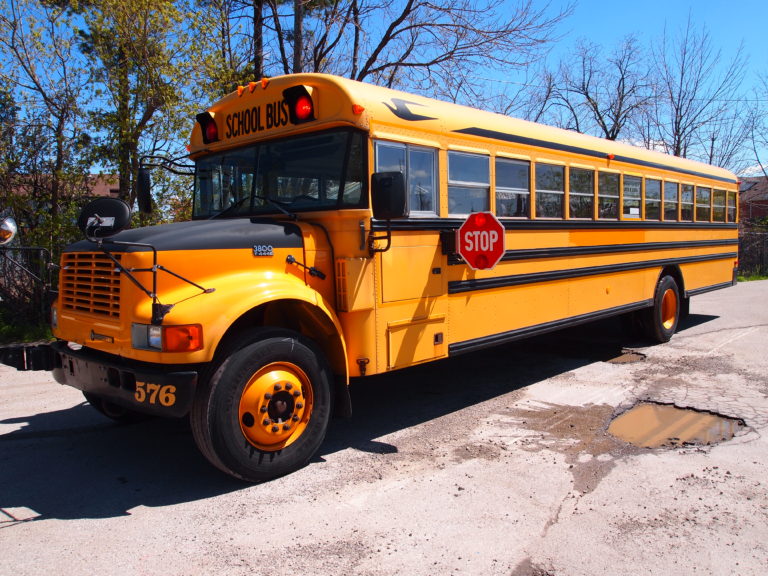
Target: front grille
{"type": "Point", "coordinates": [90, 283]}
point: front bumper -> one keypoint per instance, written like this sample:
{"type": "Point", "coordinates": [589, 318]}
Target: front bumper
{"type": "Point", "coordinates": [163, 390]}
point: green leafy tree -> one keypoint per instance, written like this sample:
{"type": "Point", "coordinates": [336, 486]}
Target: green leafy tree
{"type": "Point", "coordinates": [139, 53]}
{"type": "Point", "coordinates": [45, 151]}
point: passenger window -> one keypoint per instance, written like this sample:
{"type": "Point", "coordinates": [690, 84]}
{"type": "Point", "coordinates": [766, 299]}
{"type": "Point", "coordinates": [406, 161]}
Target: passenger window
{"type": "Point", "coordinates": [718, 206]}
{"type": "Point", "coordinates": [633, 191]}
{"type": "Point", "coordinates": [653, 199]}
{"type": "Point", "coordinates": [419, 166]}
{"type": "Point", "coordinates": [686, 203]}
{"type": "Point", "coordinates": [608, 195]}
{"type": "Point", "coordinates": [513, 188]}
{"type": "Point", "coordinates": [670, 200]}
{"type": "Point", "coordinates": [732, 206]}
{"type": "Point", "coordinates": [703, 199]}
{"type": "Point", "coordinates": [581, 196]}
{"type": "Point", "coordinates": [469, 183]}
{"type": "Point", "coordinates": [550, 190]}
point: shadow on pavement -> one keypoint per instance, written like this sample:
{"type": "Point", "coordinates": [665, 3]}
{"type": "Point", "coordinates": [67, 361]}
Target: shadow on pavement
{"type": "Point", "coordinates": [74, 463]}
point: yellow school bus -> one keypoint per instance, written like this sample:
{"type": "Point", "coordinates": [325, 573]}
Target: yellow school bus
{"type": "Point", "coordinates": [324, 246]}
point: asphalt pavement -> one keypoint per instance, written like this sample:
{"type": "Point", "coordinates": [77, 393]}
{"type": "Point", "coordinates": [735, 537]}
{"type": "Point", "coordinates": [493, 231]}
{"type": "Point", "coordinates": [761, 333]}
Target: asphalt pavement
{"type": "Point", "coordinates": [494, 463]}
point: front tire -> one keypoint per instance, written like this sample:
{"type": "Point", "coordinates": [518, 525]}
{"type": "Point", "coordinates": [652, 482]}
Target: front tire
{"type": "Point", "coordinates": [265, 410]}
{"type": "Point", "coordinates": [661, 320]}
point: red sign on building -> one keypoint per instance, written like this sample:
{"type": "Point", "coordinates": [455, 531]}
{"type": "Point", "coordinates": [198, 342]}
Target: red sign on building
{"type": "Point", "coordinates": [480, 240]}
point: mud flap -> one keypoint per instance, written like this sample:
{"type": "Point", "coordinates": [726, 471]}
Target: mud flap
{"type": "Point", "coordinates": [29, 357]}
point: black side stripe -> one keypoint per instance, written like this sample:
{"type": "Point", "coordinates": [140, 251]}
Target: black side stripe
{"type": "Point", "coordinates": [516, 139]}
{"type": "Point", "coordinates": [453, 224]}
{"type": "Point", "coordinates": [519, 334]}
{"type": "Point", "coordinates": [571, 251]}
{"type": "Point", "coordinates": [460, 286]}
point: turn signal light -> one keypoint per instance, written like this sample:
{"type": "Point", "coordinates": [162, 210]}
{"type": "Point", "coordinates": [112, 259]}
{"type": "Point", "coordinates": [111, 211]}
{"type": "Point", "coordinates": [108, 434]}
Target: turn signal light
{"type": "Point", "coordinates": [188, 338]}
{"type": "Point", "coordinates": [181, 338]}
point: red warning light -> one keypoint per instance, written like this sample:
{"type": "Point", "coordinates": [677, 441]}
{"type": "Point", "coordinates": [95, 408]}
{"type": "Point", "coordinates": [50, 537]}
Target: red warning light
{"type": "Point", "coordinates": [301, 103]}
{"type": "Point", "coordinates": [208, 127]}
{"type": "Point", "coordinates": [304, 108]}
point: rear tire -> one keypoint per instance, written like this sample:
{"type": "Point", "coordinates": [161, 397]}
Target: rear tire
{"type": "Point", "coordinates": [265, 410]}
{"type": "Point", "coordinates": [661, 320]}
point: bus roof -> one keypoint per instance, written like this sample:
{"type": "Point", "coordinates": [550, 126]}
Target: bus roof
{"type": "Point", "coordinates": [386, 111]}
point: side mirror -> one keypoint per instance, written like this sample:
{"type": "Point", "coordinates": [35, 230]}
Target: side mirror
{"type": "Point", "coordinates": [389, 196]}
{"type": "Point", "coordinates": [144, 191]}
{"type": "Point", "coordinates": [8, 230]}
{"type": "Point", "coordinates": [104, 217]}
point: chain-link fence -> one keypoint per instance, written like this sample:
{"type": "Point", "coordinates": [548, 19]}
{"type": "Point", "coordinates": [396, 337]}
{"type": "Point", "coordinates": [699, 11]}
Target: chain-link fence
{"type": "Point", "coordinates": [753, 251]}
{"type": "Point", "coordinates": [25, 285]}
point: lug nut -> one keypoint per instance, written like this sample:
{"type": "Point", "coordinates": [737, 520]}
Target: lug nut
{"type": "Point", "coordinates": [296, 393]}
{"type": "Point", "coordinates": [286, 426]}
{"type": "Point", "coordinates": [263, 409]}
{"type": "Point", "coordinates": [275, 428]}
{"type": "Point", "coordinates": [295, 418]}
{"type": "Point", "coordinates": [278, 387]}
{"type": "Point", "coordinates": [299, 405]}
{"type": "Point", "coordinates": [268, 396]}
{"type": "Point", "coordinates": [288, 386]}
{"type": "Point", "coordinates": [266, 422]}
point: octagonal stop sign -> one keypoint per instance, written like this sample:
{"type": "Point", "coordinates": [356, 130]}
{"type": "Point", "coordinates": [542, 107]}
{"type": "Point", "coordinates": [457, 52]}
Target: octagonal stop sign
{"type": "Point", "coordinates": [480, 240]}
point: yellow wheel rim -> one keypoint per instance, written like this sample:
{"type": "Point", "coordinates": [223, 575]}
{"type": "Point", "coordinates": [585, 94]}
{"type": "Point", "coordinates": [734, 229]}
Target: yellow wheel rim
{"type": "Point", "coordinates": [275, 406]}
{"type": "Point", "coordinates": [668, 309]}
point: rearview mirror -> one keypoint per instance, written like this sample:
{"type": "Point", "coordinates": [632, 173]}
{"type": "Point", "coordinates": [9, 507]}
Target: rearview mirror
{"type": "Point", "coordinates": [8, 230]}
{"type": "Point", "coordinates": [389, 196]}
{"type": "Point", "coordinates": [104, 217]}
{"type": "Point", "coordinates": [144, 191]}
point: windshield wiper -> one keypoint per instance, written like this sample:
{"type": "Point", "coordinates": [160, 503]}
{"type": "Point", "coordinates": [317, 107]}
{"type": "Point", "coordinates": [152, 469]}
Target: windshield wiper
{"type": "Point", "coordinates": [230, 208]}
{"type": "Point", "coordinates": [279, 205]}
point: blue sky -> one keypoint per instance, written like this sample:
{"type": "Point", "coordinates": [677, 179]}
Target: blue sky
{"type": "Point", "coordinates": [729, 22]}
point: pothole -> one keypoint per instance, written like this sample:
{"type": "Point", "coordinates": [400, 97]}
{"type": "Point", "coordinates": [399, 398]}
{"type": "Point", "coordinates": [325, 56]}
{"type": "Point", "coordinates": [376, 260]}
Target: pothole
{"type": "Point", "coordinates": [649, 425]}
{"type": "Point", "coordinates": [627, 357]}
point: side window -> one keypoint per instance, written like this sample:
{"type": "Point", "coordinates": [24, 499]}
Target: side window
{"type": "Point", "coordinates": [421, 180]}
{"type": "Point", "coordinates": [608, 195]}
{"type": "Point", "coordinates": [703, 199]}
{"type": "Point", "coordinates": [469, 183]}
{"type": "Point", "coordinates": [732, 206]}
{"type": "Point", "coordinates": [581, 198]}
{"type": "Point", "coordinates": [419, 167]}
{"type": "Point", "coordinates": [550, 191]}
{"type": "Point", "coordinates": [633, 189]}
{"type": "Point", "coordinates": [670, 200]}
{"type": "Point", "coordinates": [653, 199]}
{"type": "Point", "coordinates": [718, 206]}
{"type": "Point", "coordinates": [686, 203]}
{"type": "Point", "coordinates": [513, 188]}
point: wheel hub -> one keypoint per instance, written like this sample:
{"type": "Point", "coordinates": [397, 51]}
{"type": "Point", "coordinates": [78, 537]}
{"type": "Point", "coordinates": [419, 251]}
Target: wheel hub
{"type": "Point", "coordinates": [275, 406]}
{"type": "Point", "coordinates": [668, 309]}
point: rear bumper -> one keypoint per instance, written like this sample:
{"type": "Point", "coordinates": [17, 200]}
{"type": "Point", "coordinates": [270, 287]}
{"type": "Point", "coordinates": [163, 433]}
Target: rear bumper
{"type": "Point", "coordinates": [163, 390]}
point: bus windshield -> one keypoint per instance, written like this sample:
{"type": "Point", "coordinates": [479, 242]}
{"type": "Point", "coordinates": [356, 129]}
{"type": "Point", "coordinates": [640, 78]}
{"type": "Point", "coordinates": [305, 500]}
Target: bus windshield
{"type": "Point", "coordinates": [321, 171]}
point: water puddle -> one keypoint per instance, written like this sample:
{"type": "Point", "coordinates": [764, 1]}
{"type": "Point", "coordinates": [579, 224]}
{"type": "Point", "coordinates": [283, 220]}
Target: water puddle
{"type": "Point", "coordinates": [662, 425]}
{"type": "Point", "coordinates": [627, 357]}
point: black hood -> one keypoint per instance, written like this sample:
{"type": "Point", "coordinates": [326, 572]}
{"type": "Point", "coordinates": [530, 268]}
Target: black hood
{"type": "Point", "coordinates": [223, 234]}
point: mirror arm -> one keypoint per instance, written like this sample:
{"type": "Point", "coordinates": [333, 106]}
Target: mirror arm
{"type": "Point", "coordinates": [372, 239]}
